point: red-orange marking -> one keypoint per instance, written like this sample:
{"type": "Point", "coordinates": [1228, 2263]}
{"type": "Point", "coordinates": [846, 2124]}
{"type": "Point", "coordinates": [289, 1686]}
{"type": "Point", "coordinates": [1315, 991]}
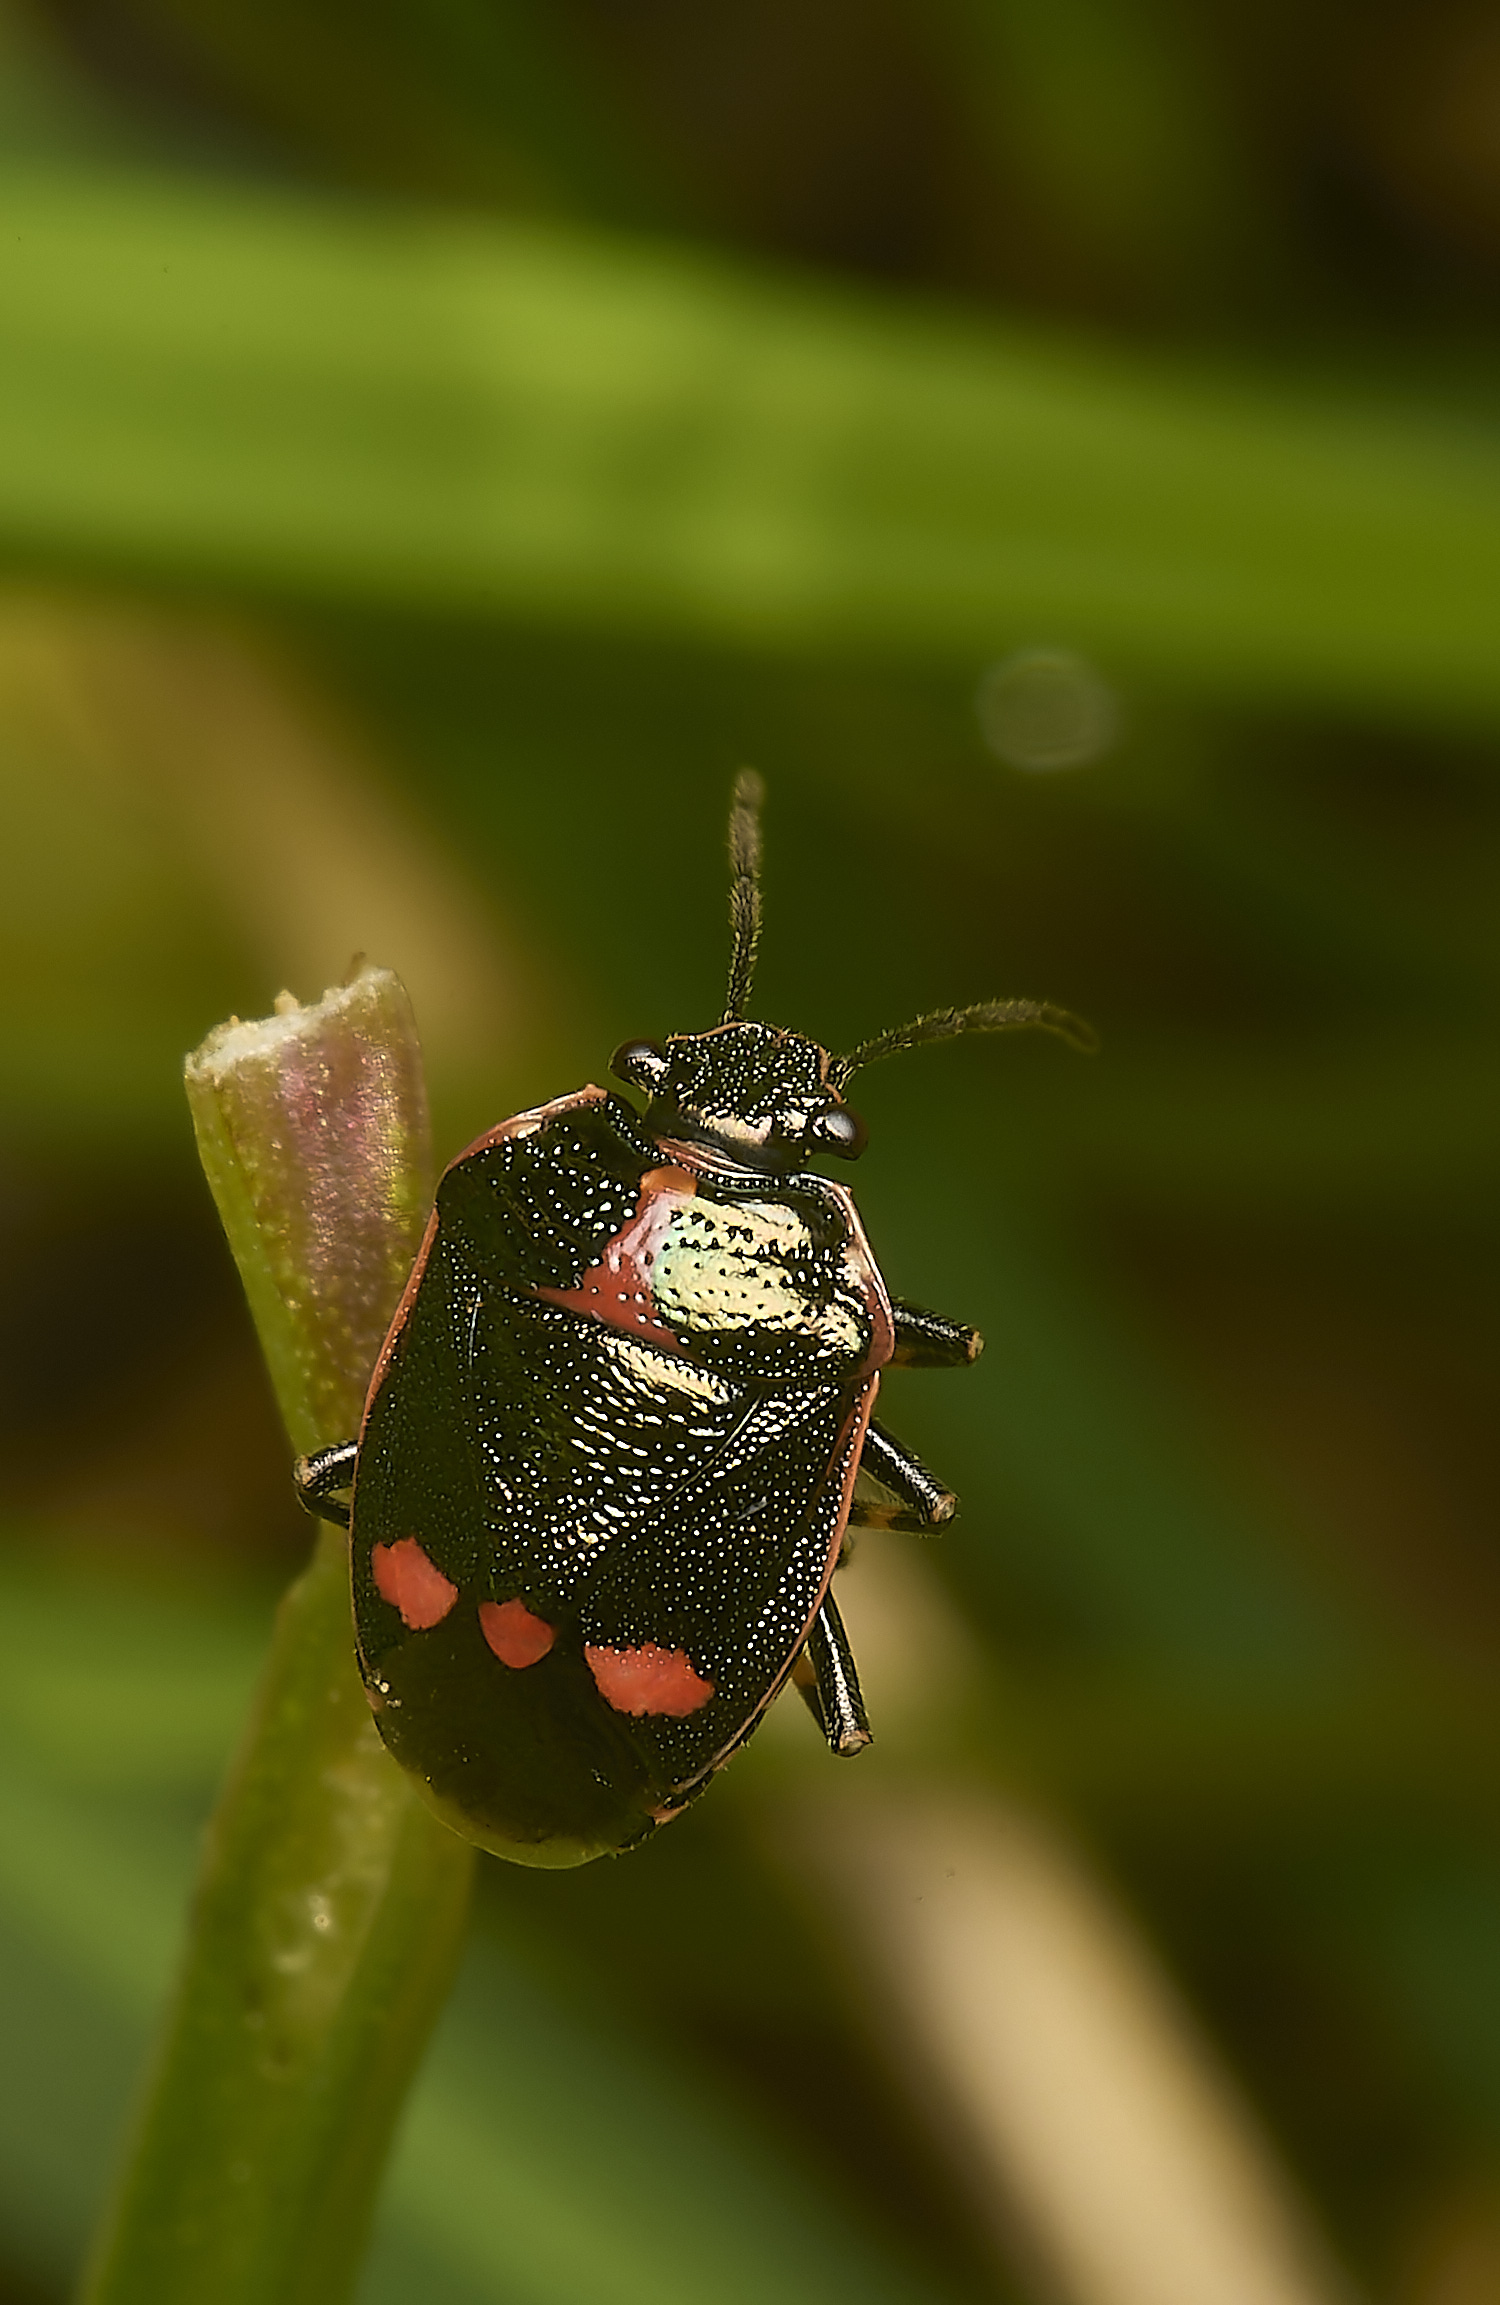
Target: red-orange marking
{"type": "Point", "coordinates": [670, 1179]}
{"type": "Point", "coordinates": [617, 1290]}
{"type": "Point", "coordinates": [648, 1680]}
{"type": "Point", "coordinates": [406, 1578]}
{"type": "Point", "coordinates": [517, 1637]}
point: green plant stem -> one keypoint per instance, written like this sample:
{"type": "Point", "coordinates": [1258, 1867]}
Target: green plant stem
{"type": "Point", "coordinates": [331, 1903]}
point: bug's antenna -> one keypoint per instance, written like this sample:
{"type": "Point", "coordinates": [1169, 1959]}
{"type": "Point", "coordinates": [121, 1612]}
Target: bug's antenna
{"type": "Point", "coordinates": [981, 1016]}
{"type": "Point", "coordinates": [744, 891]}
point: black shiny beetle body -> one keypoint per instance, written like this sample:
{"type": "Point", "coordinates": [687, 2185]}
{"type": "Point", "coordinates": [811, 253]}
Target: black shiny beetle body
{"type": "Point", "coordinates": [621, 1424]}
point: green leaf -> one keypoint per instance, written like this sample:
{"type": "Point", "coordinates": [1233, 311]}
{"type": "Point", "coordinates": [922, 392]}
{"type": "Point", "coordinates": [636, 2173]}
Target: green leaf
{"type": "Point", "coordinates": [400, 407]}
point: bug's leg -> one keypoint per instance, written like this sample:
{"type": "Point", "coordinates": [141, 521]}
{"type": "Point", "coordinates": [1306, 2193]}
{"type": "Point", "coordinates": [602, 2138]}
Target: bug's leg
{"type": "Point", "coordinates": [829, 1684]}
{"type": "Point", "coordinates": [317, 1476]}
{"type": "Point", "coordinates": [894, 1490]}
{"type": "Point", "coordinates": [927, 1340]}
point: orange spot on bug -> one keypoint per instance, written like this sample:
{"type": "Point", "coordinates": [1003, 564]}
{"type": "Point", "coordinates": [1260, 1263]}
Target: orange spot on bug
{"type": "Point", "coordinates": [406, 1578]}
{"type": "Point", "coordinates": [517, 1637]}
{"type": "Point", "coordinates": [670, 1180]}
{"type": "Point", "coordinates": [648, 1680]}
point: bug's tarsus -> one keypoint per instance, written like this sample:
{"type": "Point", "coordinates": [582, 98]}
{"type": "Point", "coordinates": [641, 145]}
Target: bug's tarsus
{"type": "Point", "coordinates": [905, 1496]}
{"type": "Point", "coordinates": [317, 1476]}
{"type": "Point", "coordinates": [744, 891]}
{"type": "Point", "coordinates": [979, 1016]}
{"type": "Point", "coordinates": [829, 1683]}
{"type": "Point", "coordinates": [926, 1340]}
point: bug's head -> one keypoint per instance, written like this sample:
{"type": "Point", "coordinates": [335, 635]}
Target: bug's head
{"type": "Point", "coordinates": [761, 1096]}
{"type": "Point", "coordinates": [771, 1099]}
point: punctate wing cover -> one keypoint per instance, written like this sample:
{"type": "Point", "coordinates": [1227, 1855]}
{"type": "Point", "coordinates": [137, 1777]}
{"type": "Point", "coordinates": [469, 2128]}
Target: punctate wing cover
{"type": "Point", "coordinates": [604, 1473]}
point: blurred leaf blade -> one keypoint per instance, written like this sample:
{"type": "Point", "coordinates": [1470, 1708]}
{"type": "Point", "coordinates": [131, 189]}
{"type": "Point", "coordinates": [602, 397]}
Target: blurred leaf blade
{"type": "Point", "coordinates": [399, 407]}
{"type": "Point", "coordinates": [593, 2172]}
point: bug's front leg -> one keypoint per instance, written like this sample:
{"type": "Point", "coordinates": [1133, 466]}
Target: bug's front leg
{"type": "Point", "coordinates": [826, 1676]}
{"type": "Point", "coordinates": [927, 1340]}
{"type": "Point", "coordinates": [894, 1490]}
{"type": "Point", "coordinates": [317, 1476]}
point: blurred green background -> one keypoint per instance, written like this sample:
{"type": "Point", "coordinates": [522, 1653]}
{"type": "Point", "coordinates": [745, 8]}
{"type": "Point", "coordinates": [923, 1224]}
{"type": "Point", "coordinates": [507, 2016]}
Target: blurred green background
{"type": "Point", "coordinates": [1059, 444]}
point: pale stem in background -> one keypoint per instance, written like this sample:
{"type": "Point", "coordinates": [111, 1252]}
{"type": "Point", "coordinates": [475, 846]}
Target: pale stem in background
{"type": "Point", "coordinates": [331, 1904]}
{"type": "Point", "coordinates": [1071, 2085]}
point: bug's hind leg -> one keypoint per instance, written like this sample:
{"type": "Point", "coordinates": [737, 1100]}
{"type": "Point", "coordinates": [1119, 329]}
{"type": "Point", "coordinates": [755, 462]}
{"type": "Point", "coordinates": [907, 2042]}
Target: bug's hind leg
{"type": "Point", "coordinates": [894, 1490]}
{"type": "Point", "coordinates": [927, 1340]}
{"type": "Point", "coordinates": [317, 1476]}
{"type": "Point", "coordinates": [826, 1676]}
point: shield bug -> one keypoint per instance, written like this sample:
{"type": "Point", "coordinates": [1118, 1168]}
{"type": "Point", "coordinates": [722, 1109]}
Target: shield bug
{"type": "Point", "coordinates": [622, 1422]}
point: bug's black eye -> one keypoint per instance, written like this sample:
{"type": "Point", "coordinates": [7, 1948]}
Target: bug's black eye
{"type": "Point", "coordinates": [840, 1131]}
{"type": "Point", "coordinates": [641, 1063]}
